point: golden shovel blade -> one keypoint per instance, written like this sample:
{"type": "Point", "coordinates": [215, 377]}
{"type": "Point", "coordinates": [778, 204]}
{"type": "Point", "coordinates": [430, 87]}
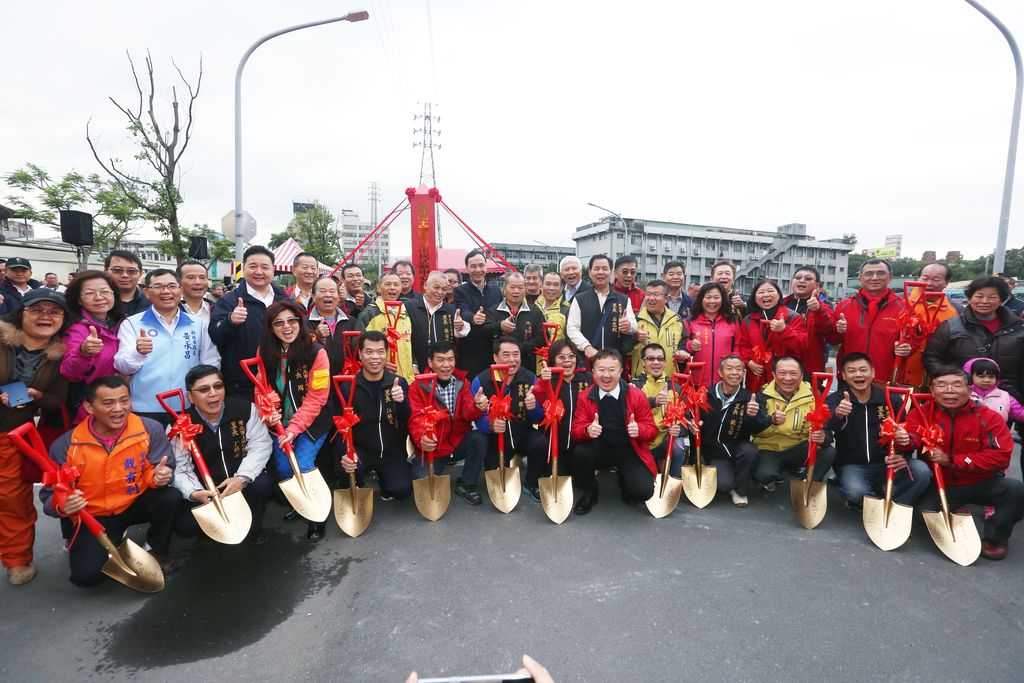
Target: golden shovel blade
{"type": "Point", "coordinates": [309, 494]}
{"type": "Point", "coordinates": [505, 497]}
{"type": "Point", "coordinates": [663, 505]}
{"type": "Point", "coordinates": [432, 494]}
{"type": "Point", "coordinates": [131, 565]}
{"type": "Point", "coordinates": [232, 526]}
{"type": "Point", "coordinates": [887, 535]}
{"type": "Point", "coordinates": [700, 490]}
{"type": "Point", "coordinates": [959, 540]}
{"type": "Point", "coordinates": [810, 514]}
{"type": "Point", "coordinates": [353, 518]}
{"type": "Point", "coordinates": [556, 497]}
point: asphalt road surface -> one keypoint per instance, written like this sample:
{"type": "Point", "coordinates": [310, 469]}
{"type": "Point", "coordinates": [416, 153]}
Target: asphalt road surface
{"type": "Point", "coordinates": [715, 594]}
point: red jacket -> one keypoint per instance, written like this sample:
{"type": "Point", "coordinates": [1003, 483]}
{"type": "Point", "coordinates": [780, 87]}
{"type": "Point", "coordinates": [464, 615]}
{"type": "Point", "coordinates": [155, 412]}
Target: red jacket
{"type": "Point", "coordinates": [636, 405]}
{"type": "Point", "coordinates": [977, 440]}
{"type": "Point", "coordinates": [450, 430]}
{"type": "Point", "coordinates": [635, 296]}
{"type": "Point", "coordinates": [717, 338]}
{"type": "Point", "coordinates": [790, 342]}
{"type": "Point", "coordinates": [820, 326]}
{"type": "Point", "coordinates": [876, 337]}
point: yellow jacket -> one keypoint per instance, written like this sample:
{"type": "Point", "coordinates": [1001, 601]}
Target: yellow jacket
{"type": "Point", "coordinates": [651, 388]}
{"type": "Point", "coordinates": [379, 322]}
{"type": "Point", "coordinates": [670, 334]}
{"type": "Point", "coordinates": [794, 430]}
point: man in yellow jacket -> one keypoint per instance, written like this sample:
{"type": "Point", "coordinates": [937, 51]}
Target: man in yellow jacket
{"type": "Point", "coordinates": [656, 323]}
{"type": "Point", "coordinates": [555, 309]}
{"type": "Point", "coordinates": [378, 317]}
{"type": "Point", "coordinates": [656, 385]}
{"type": "Point", "coordinates": [783, 445]}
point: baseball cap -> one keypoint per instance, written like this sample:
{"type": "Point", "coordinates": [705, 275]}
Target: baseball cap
{"type": "Point", "coordinates": [43, 294]}
{"type": "Point", "coordinates": [18, 262]}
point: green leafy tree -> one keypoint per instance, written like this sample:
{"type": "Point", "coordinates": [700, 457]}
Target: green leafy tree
{"type": "Point", "coordinates": [278, 238]}
{"type": "Point", "coordinates": [850, 238]}
{"type": "Point", "coordinates": [152, 185]}
{"type": "Point", "coordinates": [318, 233]}
{"type": "Point", "coordinates": [40, 198]}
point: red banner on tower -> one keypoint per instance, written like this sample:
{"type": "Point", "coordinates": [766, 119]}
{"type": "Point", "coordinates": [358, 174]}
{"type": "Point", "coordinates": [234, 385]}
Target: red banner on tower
{"type": "Point", "coordinates": [423, 207]}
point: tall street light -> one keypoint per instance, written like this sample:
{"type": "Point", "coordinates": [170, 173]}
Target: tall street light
{"type": "Point", "coordinates": [1011, 156]}
{"type": "Point", "coordinates": [625, 227]}
{"type": "Point", "coordinates": [239, 237]}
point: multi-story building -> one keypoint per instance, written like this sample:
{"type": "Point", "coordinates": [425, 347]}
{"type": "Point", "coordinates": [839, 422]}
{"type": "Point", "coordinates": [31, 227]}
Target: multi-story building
{"type": "Point", "coordinates": [353, 231]}
{"type": "Point", "coordinates": [522, 255]}
{"type": "Point", "coordinates": [757, 254]}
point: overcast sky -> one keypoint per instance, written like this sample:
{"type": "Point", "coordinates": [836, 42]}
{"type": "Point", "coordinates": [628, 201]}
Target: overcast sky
{"type": "Point", "coordinates": [874, 117]}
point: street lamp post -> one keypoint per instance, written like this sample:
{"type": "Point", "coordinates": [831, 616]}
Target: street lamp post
{"type": "Point", "coordinates": [1011, 156]}
{"type": "Point", "coordinates": [624, 227]}
{"type": "Point", "coordinates": [239, 239]}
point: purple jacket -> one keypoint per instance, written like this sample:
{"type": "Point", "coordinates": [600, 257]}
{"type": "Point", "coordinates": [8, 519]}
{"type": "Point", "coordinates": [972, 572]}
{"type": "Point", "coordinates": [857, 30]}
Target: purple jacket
{"type": "Point", "coordinates": [77, 367]}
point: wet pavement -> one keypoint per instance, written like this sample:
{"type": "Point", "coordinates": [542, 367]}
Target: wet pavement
{"type": "Point", "coordinates": [721, 593]}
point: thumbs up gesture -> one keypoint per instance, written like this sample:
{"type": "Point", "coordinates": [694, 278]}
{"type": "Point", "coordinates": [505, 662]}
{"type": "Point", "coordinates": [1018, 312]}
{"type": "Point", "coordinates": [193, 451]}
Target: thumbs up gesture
{"type": "Point", "coordinates": [530, 401]}
{"type": "Point", "coordinates": [458, 323]}
{"type": "Point", "coordinates": [813, 304]}
{"type": "Point", "coordinates": [545, 371]}
{"type": "Point", "coordinates": [508, 325]}
{"type": "Point", "coordinates": [92, 344]}
{"type": "Point", "coordinates": [480, 400]}
{"type": "Point", "coordinates": [778, 417]}
{"type": "Point", "coordinates": [479, 318]}
{"type": "Point", "coordinates": [632, 428]}
{"type": "Point", "coordinates": [695, 344]}
{"type": "Point", "coordinates": [360, 298]}
{"type": "Point", "coordinates": [845, 406]}
{"type": "Point", "coordinates": [753, 407]}
{"type": "Point", "coordinates": [841, 324]}
{"type": "Point", "coordinates": [162, 473]}
{"type": "Point", "coordinates": [662, 397]}
{"type": "Point", "coordinates": [323, 329]}
{"type": "Point", "coordinates": [397, 394]}
{"type": "Point", "coordinates": [594, 428]}
{"type": "Point", "coordinates": [144, 344]}
{"type": "Point", "coordinates": [777, 325]}
{"type": "Point", "coordinates": [240, 313]}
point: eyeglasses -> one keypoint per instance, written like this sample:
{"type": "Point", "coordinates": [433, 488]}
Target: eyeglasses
{"type": "Point", "coordinates": [287, 321]}
{"type": "Point", "coordinates": [943, 387]}
{"type": "Point", "coordinates": [45, 312]}
{"type": "Point", "coordinates": [97, 292]}
{"type": "Point", "coordinates": [169, 287]}
{"type": "Point", "coordinates": [565, 356]}
{"type": "Point", "coordinates": [118, 270]}
{"type": "Point", "coordinates": [874, 273]}
{"type": "Point", "coordinates": [654, 359]}
{"type": "Point", "coordinates": [204, 390]}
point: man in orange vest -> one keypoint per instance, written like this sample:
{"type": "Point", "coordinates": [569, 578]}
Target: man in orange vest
{"type": "Point", "coordinates": [125, 464]}
{"type": "Point", "coordinates": [936, 277]}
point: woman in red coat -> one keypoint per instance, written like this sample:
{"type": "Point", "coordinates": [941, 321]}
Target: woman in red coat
{"type": "Point", "coordinates": [714, 331]}
{"type": "Point", "coordinates": [768, 331]}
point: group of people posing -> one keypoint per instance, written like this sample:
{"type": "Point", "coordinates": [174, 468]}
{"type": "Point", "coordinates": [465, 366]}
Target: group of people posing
{"type": "Point", "coordinates": [90, 362]}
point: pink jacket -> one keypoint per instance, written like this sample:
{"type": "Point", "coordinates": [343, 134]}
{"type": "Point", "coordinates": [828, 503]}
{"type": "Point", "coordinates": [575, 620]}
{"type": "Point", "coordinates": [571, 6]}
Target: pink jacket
{"type": "Point", "coordinates": [717, 338]}
{"type": "Point", "coordinates": [76, 366]}
{"type": "Point", "coordinates": [1000, 401]}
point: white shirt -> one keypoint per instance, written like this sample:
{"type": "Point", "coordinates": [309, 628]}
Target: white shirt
{"type": "Point", "coordinates": [202, 314]}
{"type": "Point", "coordinates": [267, 299]}
{"type": "Point", "coordinates": [614, 393]}
{"type": "Point", "coordinates": [572, 323]}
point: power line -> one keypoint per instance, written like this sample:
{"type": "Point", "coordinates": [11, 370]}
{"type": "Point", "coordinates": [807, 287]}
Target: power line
{"type": "Point", "coordinates": [427, 175]}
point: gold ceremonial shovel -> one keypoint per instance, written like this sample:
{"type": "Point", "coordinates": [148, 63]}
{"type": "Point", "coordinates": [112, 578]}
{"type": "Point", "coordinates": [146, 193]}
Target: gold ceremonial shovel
{"type": "Point", "coordinates": [700, 482]}
{"type": "Point", "coordinates": [353, 509]}
{"type": "Point", "coordinates": [433, 493]}
{"type": "Point", "coordinates": [555, 492]}
{"type": "Point", "coordinates": [307, 492]}
{"type": "Point", "coordinates": [668, 489]}
{"type": "Point", "coordinates": [888, 523]}
{"type": "Point", "coordinates": [225, 519]}
{"type": "Point", "coordinates": [954, 534]}
{"type": "Point", "coordinates": [809, 497]}
{"type": "Point", "coordinates": [128, 563]}
{"type": "Point", "coordinates": [503, 484]}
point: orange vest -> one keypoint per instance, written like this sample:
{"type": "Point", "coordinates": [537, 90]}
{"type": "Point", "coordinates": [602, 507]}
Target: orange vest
{"type": "Point", "coordinates": [111, 482]}
{"type": "Point", "coordinates": [915, 375]}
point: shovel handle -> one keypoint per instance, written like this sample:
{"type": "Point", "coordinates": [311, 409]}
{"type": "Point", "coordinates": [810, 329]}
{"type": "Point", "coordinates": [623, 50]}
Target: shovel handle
{"type": "Point", "coordinates": [812, 454]}
{"type": "Point", "coordinates": [339, 381]}
{"type": "Point", "coordinates": [163, 396]}
{"type": "Point", "coordinates": [92, 524]}
{"type": "Point", "coordinates": [697, 372]}
{"type": "Point", "coordinates": [200, 462]}
{"type": "Point", "coordinates": [247, 367]}
{"type": "Point", "coordinates": [940, 482]}
{"type": "Point", "coordinates": [27, 439]}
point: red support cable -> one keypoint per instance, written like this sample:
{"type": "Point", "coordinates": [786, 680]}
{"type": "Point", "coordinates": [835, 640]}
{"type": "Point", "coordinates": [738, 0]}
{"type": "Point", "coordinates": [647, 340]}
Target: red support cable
{"type": "Point", "coordinates": [479, 239]}
{"type": "Point", "coordinates": [375, 234]}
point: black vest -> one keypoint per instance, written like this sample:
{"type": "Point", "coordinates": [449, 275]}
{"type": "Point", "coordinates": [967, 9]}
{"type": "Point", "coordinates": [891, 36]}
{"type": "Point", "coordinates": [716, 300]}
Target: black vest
{"type": "Point", "coordinates": [224, 449]}
{"type": "Point", "coordinates": [296, 386]}
{"type": "Point", "coordinates": [427, 329]}
{"type": "Point", "coordinates": [516, 387]}
{"type": "Point", "coordinates": [595, 325]}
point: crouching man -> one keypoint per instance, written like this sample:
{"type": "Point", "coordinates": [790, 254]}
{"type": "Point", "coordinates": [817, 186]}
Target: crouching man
{"type": "Point", "coordinates": [125, 462]}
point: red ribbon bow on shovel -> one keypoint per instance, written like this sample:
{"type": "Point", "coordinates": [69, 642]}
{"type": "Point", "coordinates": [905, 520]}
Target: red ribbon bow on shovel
{"type": "Point", "coordinates": [554, 411]}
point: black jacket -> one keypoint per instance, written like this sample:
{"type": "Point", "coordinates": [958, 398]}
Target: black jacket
{"type": "Point", "coordinates": [238, 342]}
{"type": "Point", "coordinates": [426, 330]}
{"type": "Point", "coordinates": [857, 434]}
{"type": "Point", "coordinates": [382, 427]}
{"type": "Point", "coordinates": [726, 426]}
{"type": "Point", "coordinates": [12, 297]}
{"type": "Point", "coordinates": [958, 340]}
{"type": "Point", "coordinates": [474, 350]}
{"type": "Point", "coordinates": [334, 342]}
{"type": "Point", "coordinates": [529, 327]}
